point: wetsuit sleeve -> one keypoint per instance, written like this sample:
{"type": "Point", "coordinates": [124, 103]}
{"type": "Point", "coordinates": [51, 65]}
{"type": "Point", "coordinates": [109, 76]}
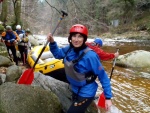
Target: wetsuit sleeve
{"type": "Point", "coordinates": [58, 53]}
{"type": "Point", "coordinates": [102, 54]}
{"type": "Point", "coordinates": [98, 70]}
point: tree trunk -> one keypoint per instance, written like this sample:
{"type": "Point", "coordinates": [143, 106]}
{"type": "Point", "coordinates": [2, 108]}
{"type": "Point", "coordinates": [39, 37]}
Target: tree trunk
{"type": "Point", "coordinates": [4, 12]}
{"type": "Point", "coordinates": [17, 11]}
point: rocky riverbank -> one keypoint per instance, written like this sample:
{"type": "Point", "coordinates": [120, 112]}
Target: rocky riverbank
{"type": "Point", "coordinates": [134, 35]}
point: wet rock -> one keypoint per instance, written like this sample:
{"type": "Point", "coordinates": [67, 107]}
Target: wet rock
{"type": "Point", "coordinates": [61, 89]}
{"type": "Point", "coordinates": [2, 78]}
{"type": "Point", "coordinates": [1, 43]}
{"type": "Point", "coordinates": [145, 75]}
{"type": "Point", "coordinates": [17, 98]}
{"type": "Point", "coordinates": [5, 61]}
{"type": "Point", "coordinates": [139, 58]}
{"type": "Point", "coordinates": [13, 73]}
{"type": "Point", "coordinates": [33, 40]}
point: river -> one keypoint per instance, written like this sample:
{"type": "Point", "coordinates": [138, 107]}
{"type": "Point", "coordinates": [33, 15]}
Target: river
{"type": "Point", "coordinates": [131, 92]}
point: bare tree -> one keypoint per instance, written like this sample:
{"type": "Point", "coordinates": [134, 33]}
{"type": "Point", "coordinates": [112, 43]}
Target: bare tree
{"type": "Point", "coordinates": [17, 11]}
{"type": "Point", "coordinates": [4, 12]}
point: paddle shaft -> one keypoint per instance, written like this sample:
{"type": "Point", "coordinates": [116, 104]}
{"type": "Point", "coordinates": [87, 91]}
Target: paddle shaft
{"type": "Point", "coordinates": [28, 76]}
{"type": "Point", "coordinates": [113, 65]}
{"type": "Point", "coordinates": [64, 14]}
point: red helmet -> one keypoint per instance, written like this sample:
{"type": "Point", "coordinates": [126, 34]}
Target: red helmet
{"type": "Point", "coordinates": [79, 29]}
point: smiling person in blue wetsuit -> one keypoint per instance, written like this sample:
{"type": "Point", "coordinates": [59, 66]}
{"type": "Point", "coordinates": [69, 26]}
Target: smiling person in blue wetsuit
{"type": "Point", "coordinates": [82, 67]}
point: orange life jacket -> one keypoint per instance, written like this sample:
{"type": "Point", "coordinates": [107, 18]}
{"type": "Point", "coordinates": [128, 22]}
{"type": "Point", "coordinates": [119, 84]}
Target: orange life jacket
{"type": "Point", "coordinates": [6, 40]}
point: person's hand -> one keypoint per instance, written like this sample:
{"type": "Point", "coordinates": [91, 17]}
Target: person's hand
{"type": "Point", "coordinates": [108, 104]}
{"type": "Point", "coordinates": [50, 38]}
{"type": "Point", "coordinates": [116, 54]}
{"type": "Point", "coordinates": [15, 41]}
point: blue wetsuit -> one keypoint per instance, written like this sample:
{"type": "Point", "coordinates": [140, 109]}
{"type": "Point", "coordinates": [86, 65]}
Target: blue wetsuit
{"type": "Point", "coordinates": [90, 62]}
{"type": "Point", "coordinates": [20, 32]}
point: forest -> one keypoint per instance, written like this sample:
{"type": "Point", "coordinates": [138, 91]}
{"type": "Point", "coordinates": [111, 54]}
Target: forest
{"type": "Point", "coordinates": [100, 16]}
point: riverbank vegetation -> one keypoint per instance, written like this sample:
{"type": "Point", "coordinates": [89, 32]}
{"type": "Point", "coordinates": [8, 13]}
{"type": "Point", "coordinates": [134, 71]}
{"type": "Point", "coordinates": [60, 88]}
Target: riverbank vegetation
{"type": "Point", "coordinates": [101, 17]}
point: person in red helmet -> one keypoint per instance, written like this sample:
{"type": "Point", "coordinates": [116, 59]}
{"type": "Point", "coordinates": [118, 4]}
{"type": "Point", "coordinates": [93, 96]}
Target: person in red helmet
{"type": "Point", "coordinates": [82, 67]}
{"type": "Point", "coordinates": [96, 44]}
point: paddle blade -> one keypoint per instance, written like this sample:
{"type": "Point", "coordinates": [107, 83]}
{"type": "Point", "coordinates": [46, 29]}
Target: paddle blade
{"type": "Point", "coordinates": [27, 77]}
{"type": "Point", "coordinates": [101, 101]}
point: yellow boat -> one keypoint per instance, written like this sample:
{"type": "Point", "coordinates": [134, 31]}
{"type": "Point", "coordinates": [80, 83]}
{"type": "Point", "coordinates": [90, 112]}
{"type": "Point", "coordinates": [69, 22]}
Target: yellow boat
{"type": "Point", "coordinates": [47, 64]}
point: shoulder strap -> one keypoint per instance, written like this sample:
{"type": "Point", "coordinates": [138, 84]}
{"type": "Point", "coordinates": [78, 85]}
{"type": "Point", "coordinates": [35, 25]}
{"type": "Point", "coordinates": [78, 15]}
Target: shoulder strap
{"type": "Point", "coordinates": [79, 58]}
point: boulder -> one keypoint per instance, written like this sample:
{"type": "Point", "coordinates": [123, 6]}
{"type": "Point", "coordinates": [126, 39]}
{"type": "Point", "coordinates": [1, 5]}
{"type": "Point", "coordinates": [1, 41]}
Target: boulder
{"type": "Point", "coordinates": [2, 78]}
{"type": "Point", "coordinates": [61, 89]}
{"type": "Point", "coordinates": [17, 98]}
{"type": "Point", "coordinates": [13, 73]}
{"type": "Point", "coordinates": [138, 58]}
{"type": "Point", "coordinates": [1, 43]}
{"type": "Point", "coordinates": [5, 61]}
{"type": "Point", "coordinates": [33, 40]}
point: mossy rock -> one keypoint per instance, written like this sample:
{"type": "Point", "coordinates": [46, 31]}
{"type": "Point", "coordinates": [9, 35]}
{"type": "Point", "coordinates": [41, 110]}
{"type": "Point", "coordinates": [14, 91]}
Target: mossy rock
{"type": "Point", "coordinates": [16, 98]}
{"type": "Point", "coordinates": [1, 28]}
